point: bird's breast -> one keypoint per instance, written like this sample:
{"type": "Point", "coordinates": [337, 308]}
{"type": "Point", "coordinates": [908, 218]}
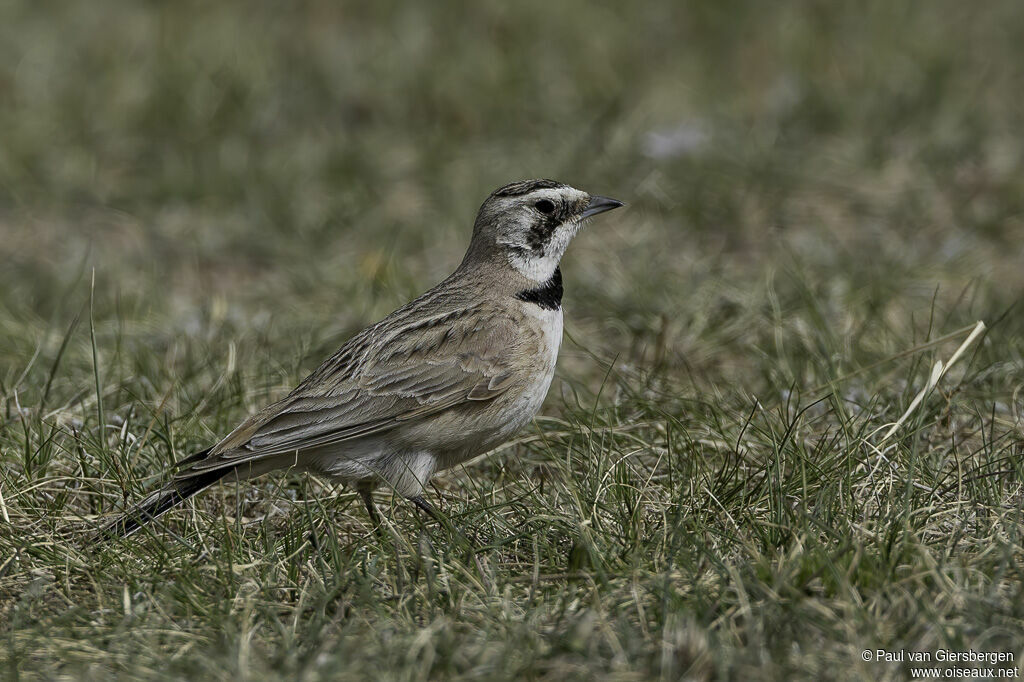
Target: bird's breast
{"type": "Point", "coordinates": [545, 327]}
{"type": "Point", "coordinates": [484, 426]}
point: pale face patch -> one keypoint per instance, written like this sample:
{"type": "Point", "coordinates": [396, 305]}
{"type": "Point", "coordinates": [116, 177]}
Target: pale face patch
{"type": "Point", "coordinates": [541, 268]}
{"type": "Point", "coordinates": [538, 227]}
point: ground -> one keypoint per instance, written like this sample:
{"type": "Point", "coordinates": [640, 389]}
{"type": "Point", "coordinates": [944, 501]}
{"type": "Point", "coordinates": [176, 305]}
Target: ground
{"type": "Point", "coordinates": [199, 202]}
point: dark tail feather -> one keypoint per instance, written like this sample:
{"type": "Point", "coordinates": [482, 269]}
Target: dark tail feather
{"type": "Point", "coordinates": [192, 459]}
{"type": "Point", "coordinates": [162, 500]}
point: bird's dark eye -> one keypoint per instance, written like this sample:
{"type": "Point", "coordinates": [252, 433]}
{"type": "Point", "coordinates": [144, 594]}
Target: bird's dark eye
{"type": "Point", "coordinates": [544, 206]}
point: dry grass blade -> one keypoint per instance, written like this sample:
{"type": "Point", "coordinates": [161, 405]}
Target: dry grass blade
{"type": "Point", "coordinates": [939, 370]}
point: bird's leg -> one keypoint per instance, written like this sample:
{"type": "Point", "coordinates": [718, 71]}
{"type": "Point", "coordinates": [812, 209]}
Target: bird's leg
{"type": "Point", "coordinates": [426, 507]}
{"type": "Point", "coordinates": [371, 508]}
{"type": "Point", "coordinates": [381, 531]}
{"type": "Point", "coordinates": [472, 552]}
{"type": "Point", "coordinates": [444, 521]}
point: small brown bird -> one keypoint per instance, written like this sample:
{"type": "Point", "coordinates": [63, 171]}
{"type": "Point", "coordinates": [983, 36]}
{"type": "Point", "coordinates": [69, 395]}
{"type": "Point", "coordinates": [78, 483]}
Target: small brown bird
{"type": "Point", "coordinates": [449, 376]}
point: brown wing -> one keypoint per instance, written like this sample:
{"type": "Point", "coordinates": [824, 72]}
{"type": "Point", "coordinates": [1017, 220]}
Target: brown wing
{"type": "Point", "coordinates": [397, 371]}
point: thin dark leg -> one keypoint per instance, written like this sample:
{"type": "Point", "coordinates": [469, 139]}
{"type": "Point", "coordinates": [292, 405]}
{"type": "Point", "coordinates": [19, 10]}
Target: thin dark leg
{"type": "Point", "coordinates": [381, 533]}
{"type": "Point", "coordinates": [471, 547]}
{"type": "Point", "coordinates": [426, 506]}
{"type": "Point", "coordinates": [444, 522]}
{"type": "Point", "coordinates": [371, 508]}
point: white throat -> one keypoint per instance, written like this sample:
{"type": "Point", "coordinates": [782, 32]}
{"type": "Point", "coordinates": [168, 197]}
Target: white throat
{"type": "Point", "coordinates": [537, 268]}
{"type": "Point", "coordinates": [540, 267]}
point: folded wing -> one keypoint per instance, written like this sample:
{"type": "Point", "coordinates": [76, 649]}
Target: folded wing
{"type": "Point", "coordinates": [380, 379]}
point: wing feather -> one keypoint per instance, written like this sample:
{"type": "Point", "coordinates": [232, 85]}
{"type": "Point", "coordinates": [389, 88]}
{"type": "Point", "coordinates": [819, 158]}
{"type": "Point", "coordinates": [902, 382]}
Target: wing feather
{"type": "Point", "coordinates": [368, 388]}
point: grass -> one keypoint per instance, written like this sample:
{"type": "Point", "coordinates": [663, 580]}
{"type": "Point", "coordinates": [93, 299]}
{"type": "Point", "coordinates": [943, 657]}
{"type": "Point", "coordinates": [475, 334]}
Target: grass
{"type": "Point", "coordinates": [199, 203]}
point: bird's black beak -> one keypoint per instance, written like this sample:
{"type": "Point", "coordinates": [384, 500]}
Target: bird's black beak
{"type": "Point", "coordinates": [600, 204]}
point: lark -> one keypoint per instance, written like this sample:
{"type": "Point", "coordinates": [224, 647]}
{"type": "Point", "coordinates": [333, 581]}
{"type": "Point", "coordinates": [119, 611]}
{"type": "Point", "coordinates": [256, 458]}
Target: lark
{"type": "Point", "coordinates": [445, 378]}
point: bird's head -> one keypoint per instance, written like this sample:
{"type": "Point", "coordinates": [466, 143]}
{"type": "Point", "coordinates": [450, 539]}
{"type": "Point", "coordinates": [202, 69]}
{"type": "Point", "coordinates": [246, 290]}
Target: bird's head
{"type": "Point", "coordinates": [529, 224]}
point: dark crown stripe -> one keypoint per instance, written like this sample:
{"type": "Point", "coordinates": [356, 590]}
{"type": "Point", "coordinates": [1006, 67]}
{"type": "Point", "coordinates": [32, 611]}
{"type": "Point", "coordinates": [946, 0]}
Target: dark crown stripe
{"type": "Point", "coordinates": [516, 189]}
{"type": "Point", "coordinates": [547, 295]}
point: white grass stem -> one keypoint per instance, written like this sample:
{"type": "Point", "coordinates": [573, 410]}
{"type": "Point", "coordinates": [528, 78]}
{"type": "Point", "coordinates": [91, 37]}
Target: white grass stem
{"type": "Point", "coordinates": [938, 371]}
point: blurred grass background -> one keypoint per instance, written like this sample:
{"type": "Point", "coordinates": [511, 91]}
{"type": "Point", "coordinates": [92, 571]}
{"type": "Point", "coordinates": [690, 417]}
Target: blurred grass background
{"type": "Point", "coordinates": [812, 189]}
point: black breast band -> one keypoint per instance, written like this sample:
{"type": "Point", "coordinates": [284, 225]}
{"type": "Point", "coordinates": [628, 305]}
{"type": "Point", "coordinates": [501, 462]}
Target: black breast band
{"type": "Point", "coordinates": [547, 295]}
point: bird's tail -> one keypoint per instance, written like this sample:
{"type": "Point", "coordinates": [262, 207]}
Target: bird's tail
{"type": "Point", "coordinates": [154, 505]}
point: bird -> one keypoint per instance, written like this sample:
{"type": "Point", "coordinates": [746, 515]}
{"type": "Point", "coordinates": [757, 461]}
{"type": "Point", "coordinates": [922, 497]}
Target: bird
{"type": "Point", "coordinates": [449, 376]}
